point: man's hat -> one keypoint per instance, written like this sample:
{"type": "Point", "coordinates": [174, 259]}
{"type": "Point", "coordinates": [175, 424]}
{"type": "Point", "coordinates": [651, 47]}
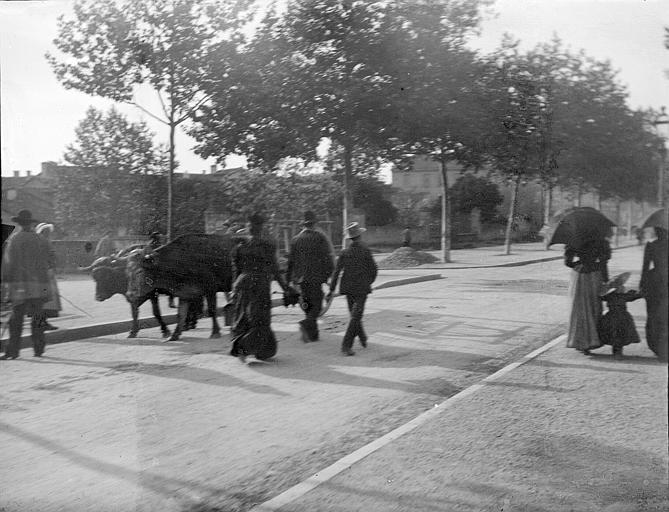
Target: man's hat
{"type": "Point", "coordinates": [309, 217]}
{"type": "Point", "coordinates": [613, 284]}
{"type": "Point", "coordinates": [256, 219]}
{"type": "Point", "coordinates": [24, 218]}
{"type": "Point", "coordinates": [353, 230]}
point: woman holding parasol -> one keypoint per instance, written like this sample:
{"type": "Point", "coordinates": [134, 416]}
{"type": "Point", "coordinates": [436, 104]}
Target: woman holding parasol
{"type": "Point", "coordinates": [654, 284]}
{"type": "Point", "coordinates": [584, 231]}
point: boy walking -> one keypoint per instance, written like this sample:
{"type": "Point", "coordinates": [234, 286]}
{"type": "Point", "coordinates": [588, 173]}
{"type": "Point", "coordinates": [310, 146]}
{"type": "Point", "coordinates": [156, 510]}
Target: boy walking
{"type": "Point", "coordinates": [359, 272]}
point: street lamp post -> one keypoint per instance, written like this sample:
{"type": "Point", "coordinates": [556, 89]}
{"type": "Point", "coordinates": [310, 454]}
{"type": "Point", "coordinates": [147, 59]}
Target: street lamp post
{"type": "Point", "coordinates": [659, 120]}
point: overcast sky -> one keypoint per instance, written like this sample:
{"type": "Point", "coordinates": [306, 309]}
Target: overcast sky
{"type": "Point", "coordinates": [39, 115]}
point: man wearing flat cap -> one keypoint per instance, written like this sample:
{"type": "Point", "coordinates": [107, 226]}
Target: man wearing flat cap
{"type": "Point", "coordinates": [25, 283]}
{"type": "Point", "coordinates": [310, 264]}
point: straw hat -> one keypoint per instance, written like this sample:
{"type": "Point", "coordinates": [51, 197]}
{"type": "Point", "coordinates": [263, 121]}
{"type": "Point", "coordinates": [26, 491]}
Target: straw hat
{"type": "Point", "coordinates": [353, 230]}
{"type": "Point", "coordinates": [614, 284]}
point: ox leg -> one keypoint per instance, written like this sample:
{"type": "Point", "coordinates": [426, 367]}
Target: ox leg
{"type": "Point", "coordinates": [211, 309]}
{"type": "Point", "coordinates": [182, 311]}
{"type": "Point", "coordinates": [155, 307]}
{"type": "Point", "coordinates": [134, 310]}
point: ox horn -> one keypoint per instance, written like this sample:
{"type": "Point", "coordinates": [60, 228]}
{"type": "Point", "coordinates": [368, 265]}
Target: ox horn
{"type": "Point", "coordinates": [97, 263]}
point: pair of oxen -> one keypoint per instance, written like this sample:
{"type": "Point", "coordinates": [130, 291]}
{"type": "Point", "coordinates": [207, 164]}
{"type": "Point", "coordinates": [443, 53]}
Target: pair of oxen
{"type": "Point", "coordinates": [191, 267]}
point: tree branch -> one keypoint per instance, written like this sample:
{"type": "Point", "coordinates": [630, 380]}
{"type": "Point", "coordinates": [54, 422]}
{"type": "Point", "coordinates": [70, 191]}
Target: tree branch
{"type": "Point", "coordinates": [162, 104]}
{"type": "Point", "coordinates": [195, 107]}
{"type": "Point", "coordinates": [134, 104]}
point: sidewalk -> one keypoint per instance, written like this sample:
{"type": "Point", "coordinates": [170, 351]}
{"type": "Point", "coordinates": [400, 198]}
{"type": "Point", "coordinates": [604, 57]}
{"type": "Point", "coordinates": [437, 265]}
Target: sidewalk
{"type": "Point", "coordinates": [557, 431]}
{"type": "Point", "coordinates": [493, 255]}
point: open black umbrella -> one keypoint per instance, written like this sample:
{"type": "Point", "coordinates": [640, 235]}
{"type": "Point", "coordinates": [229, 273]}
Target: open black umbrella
{"type": "Point", "coordinates": [579, 225]}
{"type": "Point", "coordinates": [657, 219]}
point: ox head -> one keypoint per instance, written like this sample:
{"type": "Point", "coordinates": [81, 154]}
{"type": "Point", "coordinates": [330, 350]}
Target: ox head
{"type": "Point", "coordinates": [109, 281]}
{"type": "Point", "coordinates": [109, 275]}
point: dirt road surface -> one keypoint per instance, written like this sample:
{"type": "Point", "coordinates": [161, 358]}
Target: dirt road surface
{"type": "Point", "coordinates": [112, 424]}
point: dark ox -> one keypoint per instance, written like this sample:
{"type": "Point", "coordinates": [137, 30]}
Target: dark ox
{"type": "Point", "coordinates": [116, 274]}
{"type": "Point", "coordinates": [189, 267]}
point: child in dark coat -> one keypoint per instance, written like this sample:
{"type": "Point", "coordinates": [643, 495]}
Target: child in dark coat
{"type": "Point", "coordinates": [616, 327]}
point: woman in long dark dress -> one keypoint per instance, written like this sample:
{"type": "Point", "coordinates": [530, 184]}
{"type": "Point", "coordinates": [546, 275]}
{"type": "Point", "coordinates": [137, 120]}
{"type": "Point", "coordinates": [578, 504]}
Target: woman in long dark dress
{"type": "Point", "coordinates": [653, 288]}
{"type": "Point", "coordinates": [590, 270]}
{"type": "Point", "coordinates": [255, 266]}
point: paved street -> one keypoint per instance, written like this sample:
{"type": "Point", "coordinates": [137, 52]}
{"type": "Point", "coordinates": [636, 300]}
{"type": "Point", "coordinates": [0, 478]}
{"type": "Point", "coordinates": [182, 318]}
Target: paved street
{"type": "Point", "coordinates": [115, 424]}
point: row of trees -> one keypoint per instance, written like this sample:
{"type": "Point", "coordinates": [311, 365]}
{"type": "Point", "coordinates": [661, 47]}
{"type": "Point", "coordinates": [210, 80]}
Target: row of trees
{"type": "Point", "coordinates": [379, 80]}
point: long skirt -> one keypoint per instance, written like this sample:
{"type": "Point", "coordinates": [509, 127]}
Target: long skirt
{"type": "Point", "coordinates": [251, 328]}
{"type": "Point", "coordinates": [52, 307]}
{"type": "Point", "coordinates": [657, 335]}
{"type": "Point", "coordinates": [586, 309]}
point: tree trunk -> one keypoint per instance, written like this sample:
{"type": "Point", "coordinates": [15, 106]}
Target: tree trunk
{"type": "Point", "coordinates": [445, 215]}
{"type": "Point", "coordinates": [617, 219]}
{"type": "Point", "coordinates": [629, 219]}
{"type": "Point", "coordinates": [548, 203]}
{"type": "Point", "coordinates": [170, 177]}
{"type": "Point", "coordinates": [512, 214]}
{"type": "Point", "coordinates": [348, 172]}
{"type": "Point", "coordinates": [548, 207]}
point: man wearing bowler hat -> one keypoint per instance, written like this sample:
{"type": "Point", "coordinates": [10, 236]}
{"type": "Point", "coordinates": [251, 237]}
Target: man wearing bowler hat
{"type": "Point", "coordinates": [359, 268]}
{"type": "Point", "coordinates": [25, 283]}
{"type": "Point", "coordinates": [310, 264]}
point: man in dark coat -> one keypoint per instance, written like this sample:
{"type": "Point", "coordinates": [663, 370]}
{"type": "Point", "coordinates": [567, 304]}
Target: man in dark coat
{"type": "Point", "coordinates": [25, 283]}
{"type": "Point", "coordinates": [360, 271]}
{"type": "Point", "coordinates": [310, 264]}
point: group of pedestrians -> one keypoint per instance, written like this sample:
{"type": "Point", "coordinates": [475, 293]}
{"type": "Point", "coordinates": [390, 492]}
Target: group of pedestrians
{"type": "Point", "coordinates": [29, 284]}
{"type": "Point", "coordinates": [591, 286]}
{"type": "Point", "coordinates": [310, 265]}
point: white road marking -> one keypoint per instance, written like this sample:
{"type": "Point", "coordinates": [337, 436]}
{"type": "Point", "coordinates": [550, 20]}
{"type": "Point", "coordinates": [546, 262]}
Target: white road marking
{"type": "Point", "coordinates": [346, 462]}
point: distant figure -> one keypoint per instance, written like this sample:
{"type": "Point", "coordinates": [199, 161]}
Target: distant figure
{"type": "Point", "coordinates": [406, 237]}
{"type": "Point", "coordinates": [545, 233]}
{"type": "Point", "coordinates": [104, 247]}
{"type": "Point", "coordinates": [359, 268]}
{"type": "Point", "coordinates": [52, 308]}
{"type": "Point", "coordinates": [616, 327]}
{"type": "Point", "coordinates": [25, 283]}
{"type": "Point", "coordinates": [590, 270]}
{"type": "Point", "coordinates": [310, 264]}
{"type": "Point", "coordinates": [653, 287]}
